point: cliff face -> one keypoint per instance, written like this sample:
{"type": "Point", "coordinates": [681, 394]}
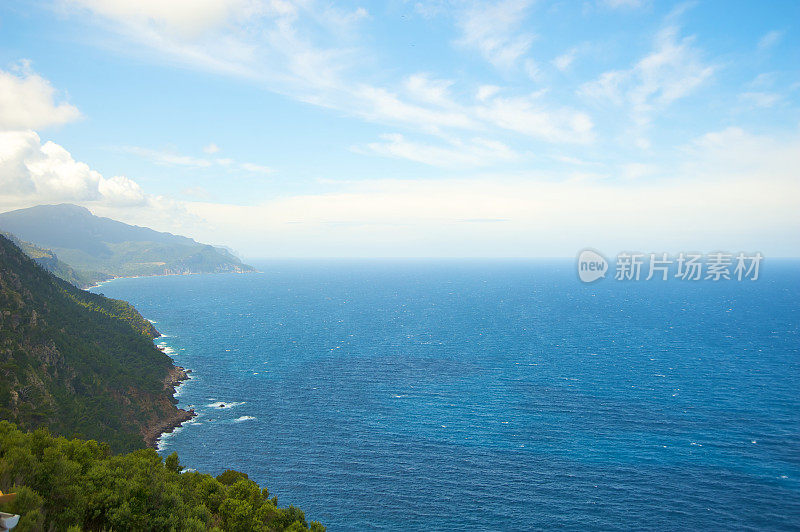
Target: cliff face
{"type": "Point", "coordinates": [78, 363]}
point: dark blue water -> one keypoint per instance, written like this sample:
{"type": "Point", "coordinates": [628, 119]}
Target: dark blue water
{"type": "Point", "coordinates": [491, 395]}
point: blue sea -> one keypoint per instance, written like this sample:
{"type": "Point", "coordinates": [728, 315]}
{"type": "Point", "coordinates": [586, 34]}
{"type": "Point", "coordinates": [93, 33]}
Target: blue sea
{"type": "Point", "coordinates": [490, 395]}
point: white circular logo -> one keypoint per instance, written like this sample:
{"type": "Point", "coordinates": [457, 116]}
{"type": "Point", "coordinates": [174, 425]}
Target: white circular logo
{"type": "Point", "coordinates": [591, 266]}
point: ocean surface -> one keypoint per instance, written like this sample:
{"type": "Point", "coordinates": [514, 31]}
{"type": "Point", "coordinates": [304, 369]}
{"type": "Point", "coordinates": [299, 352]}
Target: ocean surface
{"type": "Point", "coordinates": [490, 395]}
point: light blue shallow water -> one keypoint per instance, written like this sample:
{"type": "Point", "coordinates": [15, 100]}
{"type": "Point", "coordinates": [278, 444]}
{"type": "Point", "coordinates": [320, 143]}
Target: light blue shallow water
{"type": "Point", "coordinates": [491, 395]}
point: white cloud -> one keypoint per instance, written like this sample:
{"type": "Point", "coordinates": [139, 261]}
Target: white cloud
{"type": "Point", "coordinates": [770, 39]}
{"type": "Point", "coordinates": [530, 117]}
{"type": "Point", "coordinates": [170, 158]}
{"type": "Point", "coordinates": [637, 170]}
{"type": "Point", "coordinates": [384, 105]}
{"type": "Point", "coordinates": [532, 69]}
{"type": "Point", "coordinates": [434, 91]}
{"type": "Point", "coordinates": [565, 60]}
{"type": "Point", "coordinates": [487, 91]}
{"type": "Point", "coordinates": [197, 193]}
{"type": "Point", "coordinates": [188, 18]}
{"type": "Point", "coordinates": [736, 152]}
{"type": "Point", "coordinates": [760, 99]}
{"type": "Point", "coordinates": [256, 168]}
{"type": "Point", "coordinates": [47, 172]}
{"type": "Point", "coordinates": [166, 158]}
{"type": "Point", "coordinates": [492, 29]}
{"type": "Point", "coordinates": [670, 72]}
{"type": "Point", "coordinates": [210, 148]}
{"type": "Point", "coordinates": [763, 80]}
{"type": "Point", "coordinates": [457, 154]}
{"type": "Point", "coordinates": [28, 101]}
{"type": "Point", "coordinates": [618, 4]}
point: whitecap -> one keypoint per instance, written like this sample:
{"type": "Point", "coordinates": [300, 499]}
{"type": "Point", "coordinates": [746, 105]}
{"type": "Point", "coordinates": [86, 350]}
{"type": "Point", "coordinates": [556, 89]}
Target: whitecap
{"type": "Point", "coordinates": [168, 435]}
{"type": "Point", "coordinates": [243, 418]}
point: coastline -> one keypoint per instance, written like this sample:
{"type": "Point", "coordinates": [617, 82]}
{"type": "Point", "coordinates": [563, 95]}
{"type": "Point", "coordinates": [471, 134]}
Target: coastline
{"type": "Point", "coordinates": [114, 278]}
{"type": "Point", "coordinates": [176, 376]}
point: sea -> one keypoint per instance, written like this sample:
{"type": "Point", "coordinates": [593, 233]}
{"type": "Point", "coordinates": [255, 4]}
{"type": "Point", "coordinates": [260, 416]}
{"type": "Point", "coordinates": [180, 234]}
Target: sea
{"type": "Point", "coordinates": [490, 394]}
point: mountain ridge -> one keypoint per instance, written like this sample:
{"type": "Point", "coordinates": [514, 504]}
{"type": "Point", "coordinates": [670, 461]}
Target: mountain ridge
{"type": "Point", "coordinates": [107, 247]}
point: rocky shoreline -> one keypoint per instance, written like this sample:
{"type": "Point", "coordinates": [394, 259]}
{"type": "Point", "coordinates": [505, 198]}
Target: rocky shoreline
{"type": "Point", "coordinates": [153, 432]}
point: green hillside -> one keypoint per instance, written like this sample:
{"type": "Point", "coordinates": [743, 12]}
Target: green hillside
{"type": "Point", "coordinates": [50, 262]}
{"type": "Point", "coordinates": [78, 363]}
{"type": "Point", "coordinates": [97, 245]}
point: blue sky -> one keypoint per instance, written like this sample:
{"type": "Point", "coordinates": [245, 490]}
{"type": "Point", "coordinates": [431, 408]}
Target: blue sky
{"type": "Point", "coordinates": [403, 128]}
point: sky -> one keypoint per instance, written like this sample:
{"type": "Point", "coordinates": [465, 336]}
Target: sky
{"type": "Point", "coordinates": [432, 128]}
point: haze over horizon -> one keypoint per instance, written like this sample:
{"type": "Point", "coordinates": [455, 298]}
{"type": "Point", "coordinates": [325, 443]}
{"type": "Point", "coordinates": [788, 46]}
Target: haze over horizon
{"type": "Point", "coordinates": [299, 128]}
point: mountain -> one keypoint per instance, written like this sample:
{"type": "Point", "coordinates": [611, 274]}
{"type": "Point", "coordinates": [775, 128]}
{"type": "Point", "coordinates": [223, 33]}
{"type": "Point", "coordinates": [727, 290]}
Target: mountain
{"type": "Point", "coordinates": [97, 245]}
{"type": "Point", "coordinates": [78, 363]}
{"type": "Point", "coordinates": [50, 262]}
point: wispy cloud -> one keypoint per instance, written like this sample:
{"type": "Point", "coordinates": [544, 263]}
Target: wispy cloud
{"type": "Point", "coordinates": [424, 88]}
{"type": "Point", "coordinates": [531, 117]}
{"type": "Point", "coordinates": [256, 168]}
{"type": "Point", "coordinates": [165, 158]}
{"type": "Point", "coordinates": [171, 158]}
{"type": "Point", "coordinates": [564, 61]}
{"type": "Point", "coordinates": [673, 70]}
{"type": "Point", "coordinates": [622, 4]}
{"type": "Point", "coordinates": [456, 154]}
{"type": "Point", "coordinates": [770, 39]}
{"type": "Point", "coordinates": [493, 29]}
{"type": "Point", "coordinates": [760, 99]}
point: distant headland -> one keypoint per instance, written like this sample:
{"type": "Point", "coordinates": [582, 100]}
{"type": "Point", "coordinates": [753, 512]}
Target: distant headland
{"type": "Point", "coordinates": [84, 249]}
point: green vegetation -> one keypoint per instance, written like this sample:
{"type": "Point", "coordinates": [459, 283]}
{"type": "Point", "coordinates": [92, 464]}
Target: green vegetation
{"type": "Point", "coordinates": [97, 248]}
{"type": "Point", "coordinates": [78, 363]}
{"type": "Point", "coordinates": [115, 308]}
{"type": "Point", "coordinates": [50, 262]}
{"type": "Point", "coordinates": [79, 485]}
